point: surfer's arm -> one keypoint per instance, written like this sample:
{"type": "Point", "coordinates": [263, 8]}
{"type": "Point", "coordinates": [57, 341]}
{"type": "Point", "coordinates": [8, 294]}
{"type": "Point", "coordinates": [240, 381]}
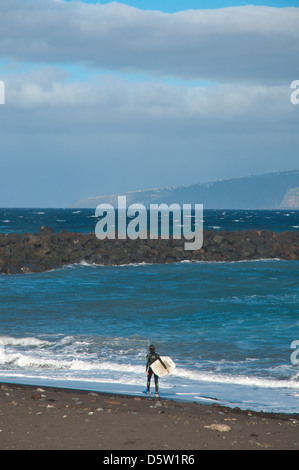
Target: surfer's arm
{"type": "Point", "coordinates": [165, 367]}
{"type": "Point", "coordinates": [147, 364]}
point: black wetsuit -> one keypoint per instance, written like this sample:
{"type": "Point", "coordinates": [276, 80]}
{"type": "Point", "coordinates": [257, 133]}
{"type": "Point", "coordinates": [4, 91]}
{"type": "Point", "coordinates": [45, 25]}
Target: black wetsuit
{"type": "Point", "coordinates": [150, 359]}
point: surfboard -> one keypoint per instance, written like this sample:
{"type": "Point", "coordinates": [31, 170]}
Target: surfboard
{"type": "Point", "coordinates": [159, 370]}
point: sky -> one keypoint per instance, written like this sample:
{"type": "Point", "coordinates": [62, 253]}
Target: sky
{"type": "Point", "coordinates": [104, 98]}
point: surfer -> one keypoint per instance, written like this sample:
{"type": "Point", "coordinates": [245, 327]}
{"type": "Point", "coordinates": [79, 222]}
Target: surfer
{"type": "Point", "coordinates": [150, 359]}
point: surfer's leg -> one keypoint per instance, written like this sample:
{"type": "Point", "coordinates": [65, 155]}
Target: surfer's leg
{"type": "Point", "coordinates": [150, 373]}
{"type": "Point", "coordinates": [156, 384]}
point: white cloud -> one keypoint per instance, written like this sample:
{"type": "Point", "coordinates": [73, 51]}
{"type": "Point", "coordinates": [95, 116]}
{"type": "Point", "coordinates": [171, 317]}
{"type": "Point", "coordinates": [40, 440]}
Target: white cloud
{"type": "Point", "coordinates": [86, 106]}
{"type": "Point", "coordinates": [119, 99]}
{"type": "Point", "coordinates": [237, 43]}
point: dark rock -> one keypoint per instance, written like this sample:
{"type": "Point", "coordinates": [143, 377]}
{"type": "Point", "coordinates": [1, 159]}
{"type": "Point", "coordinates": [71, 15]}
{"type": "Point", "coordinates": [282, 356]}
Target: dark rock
{"type": "Point", "coordinates": [36, 396]}
{"type": "Point", "coordinates": [218, 239]}
{"type": "Point", "coordinates": [31, 268]}
{"type": "Point", "coordinates": [33, 240]}
{"type": "Point", "coordinates": [45, 229]}
{"type": "Point", "coordinates": [23, 253]}
{"type": "Point", "coordinates": [11, 269]}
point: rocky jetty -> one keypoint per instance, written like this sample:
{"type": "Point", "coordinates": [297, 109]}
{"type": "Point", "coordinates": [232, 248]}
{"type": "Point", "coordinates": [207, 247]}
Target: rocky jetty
{"type": "Point", "coordinates": [46, 250]}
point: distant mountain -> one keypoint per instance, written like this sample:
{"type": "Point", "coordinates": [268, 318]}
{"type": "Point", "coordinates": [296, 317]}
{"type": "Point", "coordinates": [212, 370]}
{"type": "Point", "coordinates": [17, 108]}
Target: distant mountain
{"type": "Point", "coordinates": [251, 192]}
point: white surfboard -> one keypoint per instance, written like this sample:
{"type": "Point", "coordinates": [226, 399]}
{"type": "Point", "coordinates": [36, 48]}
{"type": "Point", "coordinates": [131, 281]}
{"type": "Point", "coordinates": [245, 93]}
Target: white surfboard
{"type": "Point", "coordinates": [159, 370]}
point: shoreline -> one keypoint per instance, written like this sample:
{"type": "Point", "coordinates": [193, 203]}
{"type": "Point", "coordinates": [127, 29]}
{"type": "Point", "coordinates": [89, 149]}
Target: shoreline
{"type": "Point", "coordinates": [50, 418]}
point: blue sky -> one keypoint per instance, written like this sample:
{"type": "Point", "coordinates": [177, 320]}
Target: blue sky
{"type": "Point", "coordinates": [172, 6]}
{"type": "Point", "coordinates": [103, 98]}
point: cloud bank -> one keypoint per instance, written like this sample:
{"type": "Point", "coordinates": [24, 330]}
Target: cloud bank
{"type": "Point", "coordinates": [108, 98]}
{"type": "Point", "coordinates": [230, 44]}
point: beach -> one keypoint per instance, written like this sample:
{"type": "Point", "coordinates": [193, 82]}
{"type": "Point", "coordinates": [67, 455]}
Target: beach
{"type": "Point", "coordinates": [74, 338]}
{"type": "Point", "coordinates": [33, 418]}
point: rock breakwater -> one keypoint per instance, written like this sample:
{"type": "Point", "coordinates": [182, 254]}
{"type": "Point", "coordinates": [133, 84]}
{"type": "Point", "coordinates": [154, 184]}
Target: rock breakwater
{"type": "Point", "coordinates": [46, 250]}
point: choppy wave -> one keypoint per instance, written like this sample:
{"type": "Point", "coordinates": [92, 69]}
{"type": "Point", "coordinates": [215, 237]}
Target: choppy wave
{"type": "Point", "coordinates": [79, 355]}
{"type": "Point", "coordinates": [237, 380]}
{"type": "Point", "coordinates": [27, 341]}
{"type": "Point", "coordinates": [228, 327]}
{"type": "Point", "coordinates": [88, 264]}
{"type": "Point", "coordinates": [29, 220]}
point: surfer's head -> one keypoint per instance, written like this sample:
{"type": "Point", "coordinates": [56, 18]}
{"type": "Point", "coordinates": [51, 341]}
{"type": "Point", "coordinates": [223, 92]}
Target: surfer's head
{"type": "Point", "coordinates": [152, 348]}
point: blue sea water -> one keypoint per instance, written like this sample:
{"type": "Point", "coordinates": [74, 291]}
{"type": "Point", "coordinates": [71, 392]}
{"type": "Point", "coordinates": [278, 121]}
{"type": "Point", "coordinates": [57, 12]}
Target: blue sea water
{"type": "Point", "coordinates": [84, 220]}
{"type": "Point", "coordinates": [228, 326]}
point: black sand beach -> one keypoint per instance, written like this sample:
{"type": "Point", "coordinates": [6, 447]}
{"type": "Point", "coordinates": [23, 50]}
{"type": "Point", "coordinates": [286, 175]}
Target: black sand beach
{"type": "Point", "coordinates": [63, 419]}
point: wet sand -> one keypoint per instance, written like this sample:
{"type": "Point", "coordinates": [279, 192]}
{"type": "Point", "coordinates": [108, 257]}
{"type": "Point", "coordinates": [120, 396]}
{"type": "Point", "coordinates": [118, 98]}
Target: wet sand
{"type": "Point", "coordinates": [64, 419]}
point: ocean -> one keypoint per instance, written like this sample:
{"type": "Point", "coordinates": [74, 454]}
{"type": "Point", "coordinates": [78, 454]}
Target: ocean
{"type": "Point", "coordinates": [228, 326]}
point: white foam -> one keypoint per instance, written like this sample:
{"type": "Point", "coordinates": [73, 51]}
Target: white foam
{"type": "Point", "coordinates": [76, 358]}
{"type": "Point", "coordinates": [236, 380]}
{"type": "Point", "coordinates": [118, 371]}
{"type": "Point", "coordinates": [27, 341]}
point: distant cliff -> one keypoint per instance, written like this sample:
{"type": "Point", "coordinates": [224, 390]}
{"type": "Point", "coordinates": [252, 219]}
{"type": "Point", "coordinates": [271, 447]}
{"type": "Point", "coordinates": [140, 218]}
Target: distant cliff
{"type": "Point", "coordinates": [291, 199]}
{"type": "Point", "coordinates": [252, 192]}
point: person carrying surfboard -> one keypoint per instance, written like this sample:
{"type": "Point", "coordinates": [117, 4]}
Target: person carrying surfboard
{"type": "Point", "coordinates": [150, 359]}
